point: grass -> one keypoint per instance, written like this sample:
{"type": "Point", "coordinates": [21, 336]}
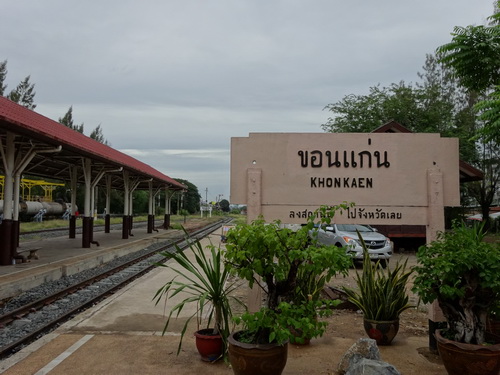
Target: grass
{"type": "Point", "coordinates": [176, 221]}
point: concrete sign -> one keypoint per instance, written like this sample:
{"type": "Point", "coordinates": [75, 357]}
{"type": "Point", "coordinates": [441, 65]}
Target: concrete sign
{"type": "Point", "coordinates": [388, 176]}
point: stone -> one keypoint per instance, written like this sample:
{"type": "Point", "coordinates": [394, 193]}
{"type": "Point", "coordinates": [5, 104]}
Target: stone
{"type": "Point", "coordinates": [372, 367]}
{"type": "Point", "coordinates": [363, 348]}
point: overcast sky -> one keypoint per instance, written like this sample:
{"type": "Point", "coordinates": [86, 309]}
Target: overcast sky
{"type": "Point", "coordinates": [170, 82]}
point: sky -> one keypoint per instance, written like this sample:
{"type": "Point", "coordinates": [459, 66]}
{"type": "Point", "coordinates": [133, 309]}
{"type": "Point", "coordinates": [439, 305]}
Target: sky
{"type": "Point", "coordinates": [171, 81]}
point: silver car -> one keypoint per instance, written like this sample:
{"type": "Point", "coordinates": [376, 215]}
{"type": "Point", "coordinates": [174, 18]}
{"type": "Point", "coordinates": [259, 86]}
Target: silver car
{"type": "Point", "coordinates": [345, 235]}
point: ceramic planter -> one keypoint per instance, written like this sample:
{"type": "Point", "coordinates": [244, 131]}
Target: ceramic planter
{"type": "Point", "coordinates": [468, 359]}
{"type": "Point", "coordinates": [256, 359]}
{"type": "Point", "coordinates": [381, 331]}
{"type": "Point", "coordinates": [209, 346]}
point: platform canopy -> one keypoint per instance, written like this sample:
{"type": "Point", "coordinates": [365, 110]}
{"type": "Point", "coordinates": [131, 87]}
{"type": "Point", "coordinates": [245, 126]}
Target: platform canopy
{"type": "Point", "coordinates": [65, 148]}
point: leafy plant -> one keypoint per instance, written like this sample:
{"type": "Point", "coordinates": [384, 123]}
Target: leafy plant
{"type": "Point", "coordinates": [461, 272]}
{"type": "Point", "coordinates": [271, 257]}
{"type": "Point", "coordinates": [303, 306]}
{"type": "Point", "coordinates": [382, 293]}
{"type": "Point", "coordinates": [207, 285]}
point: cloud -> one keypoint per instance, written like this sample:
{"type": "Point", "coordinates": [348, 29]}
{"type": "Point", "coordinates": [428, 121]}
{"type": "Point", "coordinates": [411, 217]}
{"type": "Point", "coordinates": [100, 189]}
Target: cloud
{"type": "Point", "coordinates": [173, 81]}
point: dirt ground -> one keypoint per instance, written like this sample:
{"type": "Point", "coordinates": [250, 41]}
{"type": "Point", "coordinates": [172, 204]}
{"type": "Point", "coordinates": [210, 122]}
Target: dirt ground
{"type": "Point", "coordinates": [409, 352]}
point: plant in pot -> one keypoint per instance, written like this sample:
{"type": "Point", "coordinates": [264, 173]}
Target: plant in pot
{"type": "Point", "coordinates": [271, 257]}
{"type": "Point", "coordinates": [462, 273]}
{"type": "Point", "coordinates": [202, 281]}
{"type": "Point", "coordinates": [381, 296]}
{"type": "Point", "coordinates": [303, 305]}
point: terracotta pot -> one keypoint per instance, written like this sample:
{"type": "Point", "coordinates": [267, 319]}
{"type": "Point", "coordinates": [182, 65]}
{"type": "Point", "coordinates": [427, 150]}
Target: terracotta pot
{"type": "Point", "coordinates": [256, 359]}
{"type": "Point", "coordinates": [209, 346]}
{"type": "Point", "coordinates": [381, 331]}
{"type": "Point", "coordinates": [468, 359]}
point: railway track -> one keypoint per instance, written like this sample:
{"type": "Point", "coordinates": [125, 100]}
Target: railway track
{"type": "Point", "coordinates": [26, 324]}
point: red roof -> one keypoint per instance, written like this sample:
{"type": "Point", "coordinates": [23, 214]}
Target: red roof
{"type": "Point", "coordinates": [31, 128]}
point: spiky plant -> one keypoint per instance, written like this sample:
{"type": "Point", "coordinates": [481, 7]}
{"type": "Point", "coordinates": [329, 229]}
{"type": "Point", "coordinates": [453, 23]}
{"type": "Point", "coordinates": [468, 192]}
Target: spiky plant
{"type": "Point", "coordinates": [381, 293]}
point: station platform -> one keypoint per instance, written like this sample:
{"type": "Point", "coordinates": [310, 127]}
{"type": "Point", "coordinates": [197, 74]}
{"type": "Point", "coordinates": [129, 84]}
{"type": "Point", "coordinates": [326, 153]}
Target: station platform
{"type": "Point", "coordinates": [62, 256]}
{"type": "Point", "coordinates": [123, 334]}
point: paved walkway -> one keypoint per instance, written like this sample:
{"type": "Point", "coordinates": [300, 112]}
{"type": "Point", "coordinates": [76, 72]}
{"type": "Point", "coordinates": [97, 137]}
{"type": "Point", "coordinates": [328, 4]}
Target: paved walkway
{"type": "Point", "coordinates": [123, 335]}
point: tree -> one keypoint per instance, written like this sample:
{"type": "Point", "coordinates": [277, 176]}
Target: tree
{"type": "Point", "coordinates": [190, 200]}
{"type": "Point", "coordinates": [437, 104]}
{"type": "Point", "coordinates": [24, 94]}
{"type": "Point", "coordinates": [364, 113]}
{"type": "Point", "coordinates": [67, 120]}
{"type": "Point", "coordinates": [98, 136]}
{"type": "Point", "coordinates": [224, 205]}
{"type": "Point", "coordinates": [3, 76]}
{"type": "Point", "coordinates": [474, 56]}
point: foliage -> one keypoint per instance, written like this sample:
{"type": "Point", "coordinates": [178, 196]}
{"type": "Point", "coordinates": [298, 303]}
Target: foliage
{"type": "Point", "coordinates": [189, 200]}
{"type": "Point", "coordinates": [489, 110]}
{"type": "Point", "coordinates": [382, 293]}
{"type": "Point", "coordinates": [97, 135]}
{"type": "Point", "coordinates": [461, 272]}
{"type": "Point", "coordinates": [206, 286]}
{"type": "Point", "coordinates": [296, 322]}
{"type": "Point", "coordinates": [3, 76]}
{"type": "Point", "coordinates": [474, 56]}
{"type": "Point", "coordinates": [224, 205]}
{"type": "Point", "coordinates": [270, 256]}
{"type": "Point", "coordinates": [67, 120]}
{"type": "Point", "coordinates": [437, 104]}
{"type": "Point", "coordinates": [24, 94]}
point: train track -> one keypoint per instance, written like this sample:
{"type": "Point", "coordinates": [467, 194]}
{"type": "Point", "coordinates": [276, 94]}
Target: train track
{"type": "Point", "coordinates": [31, 321]}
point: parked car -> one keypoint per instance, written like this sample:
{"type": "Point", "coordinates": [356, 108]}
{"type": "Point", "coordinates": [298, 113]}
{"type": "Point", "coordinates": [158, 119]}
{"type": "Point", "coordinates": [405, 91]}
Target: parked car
{"type": "Point", "coordinates": [345, 235]}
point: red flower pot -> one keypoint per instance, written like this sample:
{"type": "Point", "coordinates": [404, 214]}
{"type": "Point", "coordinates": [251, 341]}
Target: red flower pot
{"type": "Point", "coordinates": [381, 331]}
{"type": "Point", "coordinates": [209, 346]}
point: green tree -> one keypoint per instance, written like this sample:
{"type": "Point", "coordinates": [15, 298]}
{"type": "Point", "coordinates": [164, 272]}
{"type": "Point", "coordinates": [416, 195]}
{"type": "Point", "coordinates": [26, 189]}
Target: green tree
{"type": "Point", "coordinates": [436, 104]}
{"type": "Point", "coordinates": [190, 200]}
{"type": "Point", "coordinates": [3, 77]}
{"type": "Point", "coordinates": [98, 136]}
{"type": "Point", "coordinates": [474, 56]}
{"type": "Point", "coordinates": [141, 202]}
{"type": "Point", "coordinates": [67, 120]}
{"type": "Point", "coordinates": [24, 94]}
{"type": "Point", "coordinates": [224, 205]}
{"type": "Point", "coordinates": [364, 113]}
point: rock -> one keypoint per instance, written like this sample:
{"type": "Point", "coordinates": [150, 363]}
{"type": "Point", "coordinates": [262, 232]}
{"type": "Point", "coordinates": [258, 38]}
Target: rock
{"type": "Point", "coordinates": [363, 348]}
{"type": "Point", "coordinates": [372, 367]}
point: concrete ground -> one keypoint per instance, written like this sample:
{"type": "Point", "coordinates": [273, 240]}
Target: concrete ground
{"type": "Point", "coordinates": [122, 335]}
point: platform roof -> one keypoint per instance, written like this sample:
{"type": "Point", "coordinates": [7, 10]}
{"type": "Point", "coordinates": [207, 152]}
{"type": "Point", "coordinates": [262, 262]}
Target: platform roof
{"type": "Point", "coordinates": [32, 130]}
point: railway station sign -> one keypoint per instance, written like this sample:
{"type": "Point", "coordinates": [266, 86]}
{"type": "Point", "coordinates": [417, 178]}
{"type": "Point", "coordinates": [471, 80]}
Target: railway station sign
{"type": "Point", "coordinates": [393, 178]}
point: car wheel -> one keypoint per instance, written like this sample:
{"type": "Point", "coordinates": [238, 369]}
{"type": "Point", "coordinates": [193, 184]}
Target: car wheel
{"type": "Point", "coordinates": [384, 263]}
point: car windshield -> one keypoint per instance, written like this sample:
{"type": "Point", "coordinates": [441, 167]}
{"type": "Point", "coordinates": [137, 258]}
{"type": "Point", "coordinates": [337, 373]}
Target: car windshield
{"type": "Point", "coordinates": [353, 228]}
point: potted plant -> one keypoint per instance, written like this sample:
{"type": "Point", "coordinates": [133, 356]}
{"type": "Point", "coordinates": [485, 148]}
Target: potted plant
{"type": "Point", "coordinates": [270, 257]}
{"type": "Point", "coordinates": [303, 306]}
{"type": "Point", "coordinates": [381, 296]}
{"type": "Point", "coordinates": [207, 286]}
{"type": "Point", "coordinates": [462, 273]}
